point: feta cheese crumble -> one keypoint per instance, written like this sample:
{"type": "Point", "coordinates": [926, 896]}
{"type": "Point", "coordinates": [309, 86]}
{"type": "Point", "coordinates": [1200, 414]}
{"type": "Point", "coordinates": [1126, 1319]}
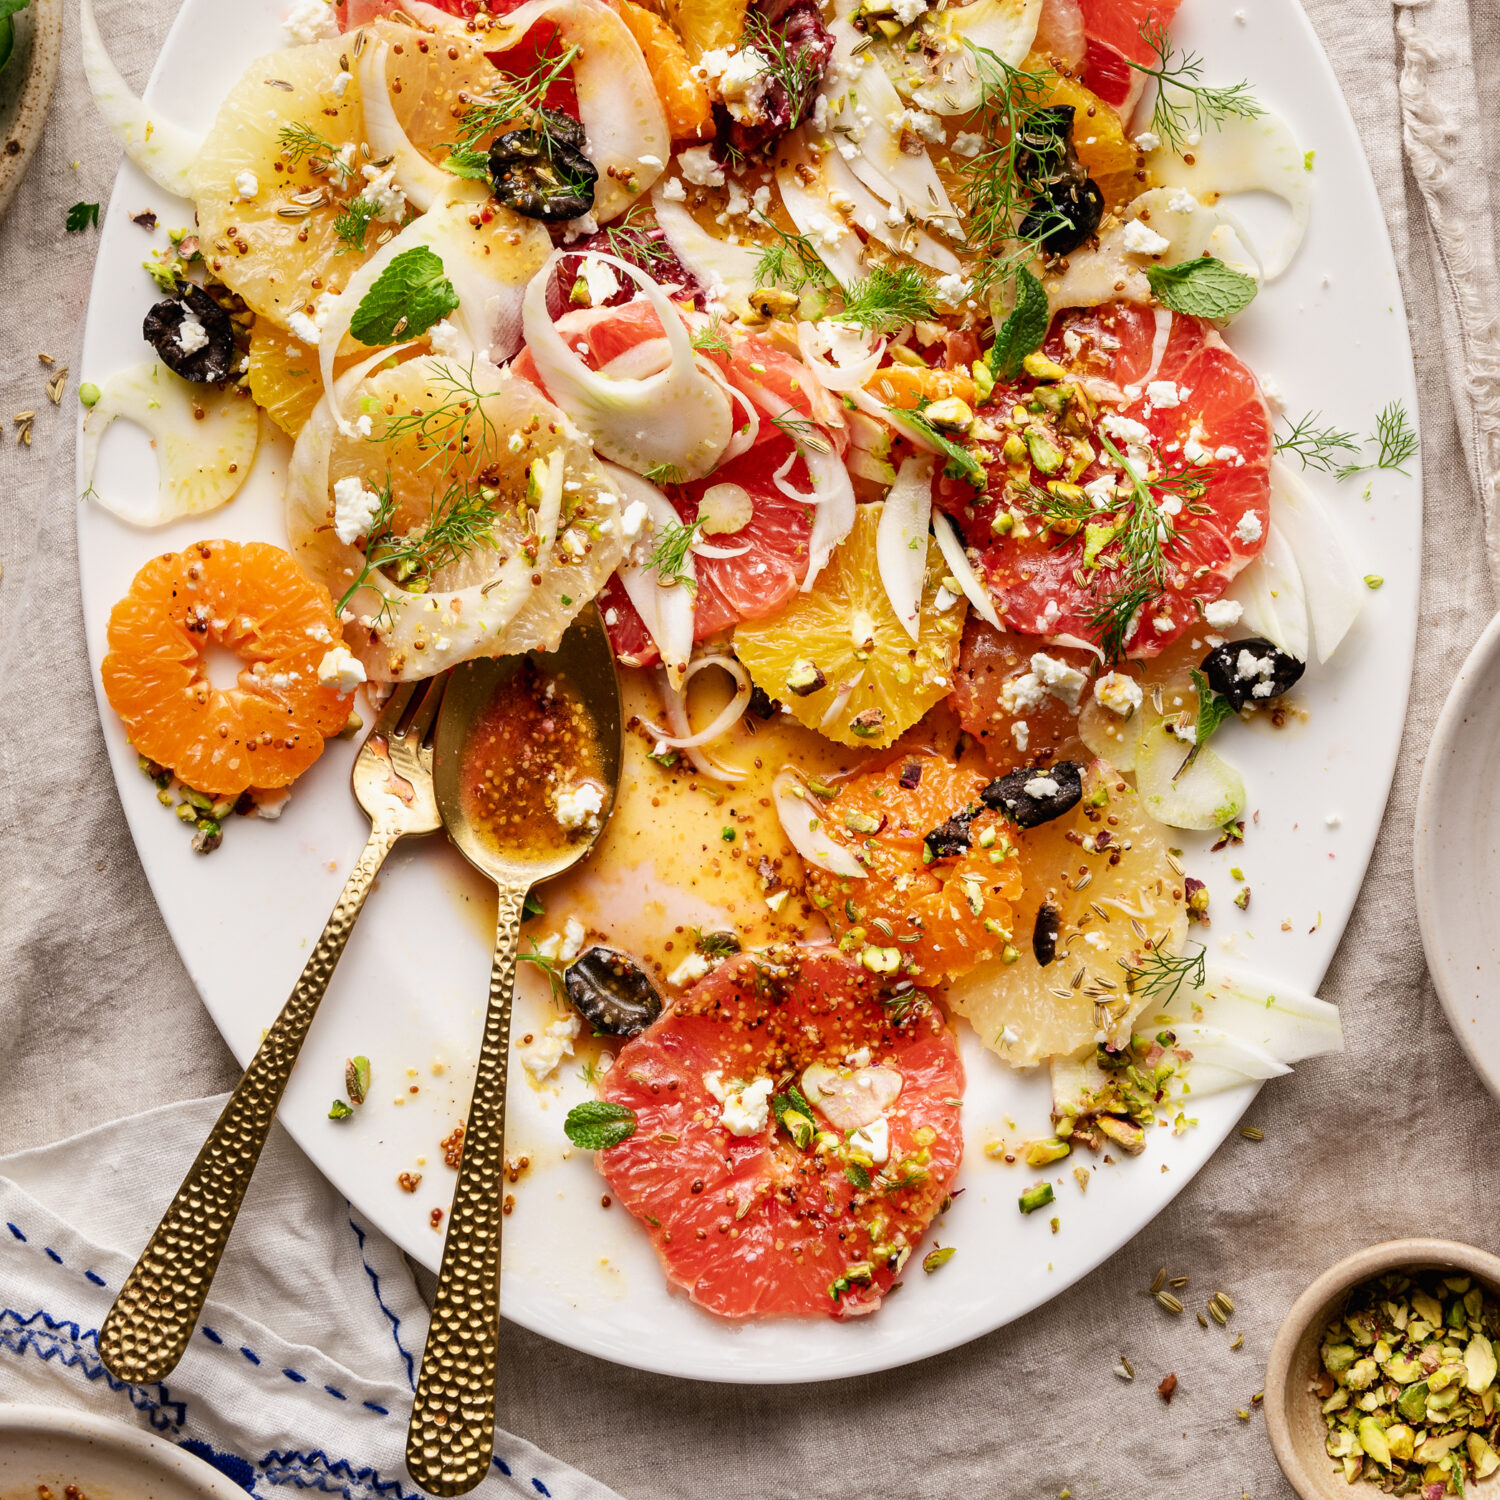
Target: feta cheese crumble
{"type": "Point", "coordinates": [873, 1140]}
{"type": "Point", "coordinates": [700, 168]}
{"type": "Point", "coordinates": [1223, 613]}
{"type": "Point", "coordinates": [309, 21]}
{"type": "Point", "coordinates": [1042, 786]}
{"type": "Point", "coordinates": [745, 1107]}
{"type": "Point", "coordinates": [541, 1056]}
{"type": "Point", "coordinates": [1119, 692]}
{"type": "Point", "coordinates": [1142, 239]}
{"type": "Point", "coordinates": [579, 806]}
{"type": "Point", "coordinates": [689, 971]}
{"type": "Point", "coordinates": [1059, 679]}
{"type": "Point", "coordinates": [191, 334]}
{"type": "Point", "coordinates": [246, 184]}
{"type": "Point", "coordinates": [354, 509]}
{"type": "Point", "coordinates": [445, 339]}
{"type": "Point", "coordinates": [340, 670]}
{"type": "Point", "coordinates": [1249, 529]}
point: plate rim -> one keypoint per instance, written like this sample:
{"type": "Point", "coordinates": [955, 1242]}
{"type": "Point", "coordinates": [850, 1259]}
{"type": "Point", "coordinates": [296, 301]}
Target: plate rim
{"type": "Point", "coordinates": [879, 1359]}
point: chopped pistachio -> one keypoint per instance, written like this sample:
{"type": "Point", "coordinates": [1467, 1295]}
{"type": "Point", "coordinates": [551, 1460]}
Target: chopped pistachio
{"type": "Point", "coordinates": [1036, 1197]}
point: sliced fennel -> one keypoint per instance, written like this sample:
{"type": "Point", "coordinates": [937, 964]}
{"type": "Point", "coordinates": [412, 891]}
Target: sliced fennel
{"type": "Point", "coordinates": [1333, 589]}
{"type": "Point", "coordinates": [802, 820]}
{"type": "Point", "coordinates": [164, 151]}
{"type": "Point", "coordinates": [665, 607]}
{"type": "Point", "coordinates": [1204, 795]}
{"type": "Point", "coordinates": [204, 439]}
{"type": "Point", "coordinates": [680, 418]}
{"type": "Point", "coordinates": [901, 540]}
{"type": "Point", "coordinates": [1273, 596]}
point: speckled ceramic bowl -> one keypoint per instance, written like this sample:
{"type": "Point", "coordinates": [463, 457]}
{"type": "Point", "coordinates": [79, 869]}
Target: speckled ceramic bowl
{"type": "Point", "coordinates": [104, 1459]}
{"type": "Point", "coordinates": [26, 84]}
{"type": "Point", "coordinates": [1292, 1416]}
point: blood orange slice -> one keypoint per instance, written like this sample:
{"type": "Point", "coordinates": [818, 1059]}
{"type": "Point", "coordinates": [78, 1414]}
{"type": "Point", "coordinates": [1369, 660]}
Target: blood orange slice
{"type": "Point", "coordinates": [1204, 419]}
{"type": "Point", "coordinates": [1113, 29]}
{"type": "Point", "coordinates": [253, 600]}
{"type": "Point", "coordinates": [756, 1225]}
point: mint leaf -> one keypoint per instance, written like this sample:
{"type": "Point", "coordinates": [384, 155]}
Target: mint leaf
{"type": "Point", "coordinates": [857, 1175]}
{"type": "Point", "coordinates": [794, 1115]}
{"type": "Point", "coordinates": [961, 463]}
{"type": "Point", "coordinates": [472, 164]}
{"type": "Point", "coordinates": [408, 297]}
{"type": "Point", "coordinates": [598, 1124]}
{"type": "Point", "coordinates": [1205, 287]}
{"type": "Point", "coordinates": [81, 215]}
{"type": "Point", "coordinates": [1023, 329]}
{"type": "Point", "coordinates": [1213, 709]}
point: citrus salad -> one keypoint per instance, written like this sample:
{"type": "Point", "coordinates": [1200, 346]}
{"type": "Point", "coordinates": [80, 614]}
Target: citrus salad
{"type": "Point", "coordinates": [867, 365]}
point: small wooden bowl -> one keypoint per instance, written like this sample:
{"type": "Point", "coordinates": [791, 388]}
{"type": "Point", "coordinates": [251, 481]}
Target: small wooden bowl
{"type": "Point", "coordinates": [1293, 1419]}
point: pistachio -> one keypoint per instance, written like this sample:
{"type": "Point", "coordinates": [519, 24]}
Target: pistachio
{"type": "Point", "coordinates": [1124, 1133]}
{"type": "Point", "coordinates": [1372, 1440]}
{"type": "Point", "coordinates": [773, 302]}
{"type": "Point", "coordinates": [804, 678]}
{"type": "Point", "coordinates": [1039, 367]}
{"type": "Point", "coordinates": [952, 414]}
{"type": "Point", "coordinates": [1479, 1363]}
{"type": "Point", "coordinates": [1044, 1153]}
{"type": "Point", "coordinates": [1044, 453]}
{"type": "Point", "coordinates": [1036, 1197]}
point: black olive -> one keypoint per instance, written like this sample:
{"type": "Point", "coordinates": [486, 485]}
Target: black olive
{"type": "Point", "coordinates": [951, 837]}
{"type": "Point", "coordinates": [911, 775]}
{"type": "Point", "coordinates": [1268, 673]}
{"type": "Point", "coordinates": [1045, 933]}
{"type": "Point", "coordinates": [212, 361]}
{"type": "Point", "coordinates": [543, 173]}
{"type": "Point", "coordinates": [1009, 793]}
{"type": "Point", "coordinates": [611, 992]}
{"type": "Point", "coordinates": [762, 704]}
{"type": "Point", "coordinates": [1066, 204]}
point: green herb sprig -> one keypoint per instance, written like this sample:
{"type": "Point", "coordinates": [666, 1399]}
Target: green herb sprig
{"type": "Point", "coordinates": [1185, 105]}
{"type": "Point", "coordinates": [598, 1124]}
{"type": "Point", "coordinates": [1161, 975]}
{"type": "Point", "coordinates": [81, 216]}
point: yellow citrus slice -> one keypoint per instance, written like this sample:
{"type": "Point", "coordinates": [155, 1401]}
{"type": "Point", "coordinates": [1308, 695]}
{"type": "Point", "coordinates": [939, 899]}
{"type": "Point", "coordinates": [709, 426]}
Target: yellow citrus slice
{"type": "Point", "coordinates": [876, 681]}
{"type": "Point", "coordinates": [706, 24]}
{"type": "Point", "coordinates": [283, 376]}
{"type": "Point", "coordinates": [1105, 870]}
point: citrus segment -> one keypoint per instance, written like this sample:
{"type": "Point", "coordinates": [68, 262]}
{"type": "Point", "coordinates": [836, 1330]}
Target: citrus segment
{"type": "Point", "coordinates": [754, 1224]}
{"type": "Point", "coordinates": [283, 377]}
{"type": "Point", "coordinates": [938, 913]}
{"type": "Point", "coordinates": [1105, 871]}
{"type": "Point", "coordinates": [875, 681]}
{"type": "Point", "coordinates": [265, 221]}
{"type": "Point", "coordinates": [253, 600]}
{"type": "Point", "coordinates": [1098, 137]}
{"type": "Point", "coordinates": [1114, 30]}
{"type": "Point", "coordinates": [1005, 703]}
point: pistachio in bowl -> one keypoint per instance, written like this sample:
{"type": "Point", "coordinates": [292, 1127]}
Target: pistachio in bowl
{"type": "Point", "coordinates": [1386, 1372]}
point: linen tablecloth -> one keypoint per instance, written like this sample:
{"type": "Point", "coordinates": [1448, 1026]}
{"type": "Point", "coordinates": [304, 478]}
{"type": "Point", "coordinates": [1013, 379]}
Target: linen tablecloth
{"type": "Point", "coordinates": [1396, 1136]}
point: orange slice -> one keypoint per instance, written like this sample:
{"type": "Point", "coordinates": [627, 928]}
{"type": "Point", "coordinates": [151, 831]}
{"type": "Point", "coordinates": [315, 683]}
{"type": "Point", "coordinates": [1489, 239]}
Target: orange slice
{"type": "Point", "coordinates": [253, 600]}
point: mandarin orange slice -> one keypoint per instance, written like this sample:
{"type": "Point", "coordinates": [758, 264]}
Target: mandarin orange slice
{"type": "Point", "coordinates": [938, 914]}
{"type": "Point", "coordinates": [254, 601]}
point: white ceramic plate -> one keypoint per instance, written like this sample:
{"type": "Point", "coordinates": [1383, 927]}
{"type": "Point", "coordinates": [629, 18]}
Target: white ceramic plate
{"type": "Point", "coordinates": [412, 986]}
{"type": "Point", "coordinates": [106, 1460]}
{"type": "Point", "coordinates": [1457, 859]}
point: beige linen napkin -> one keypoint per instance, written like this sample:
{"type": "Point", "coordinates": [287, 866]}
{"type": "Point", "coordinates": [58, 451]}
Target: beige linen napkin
{"type": "Point", "coordinates": [1396, 1136]}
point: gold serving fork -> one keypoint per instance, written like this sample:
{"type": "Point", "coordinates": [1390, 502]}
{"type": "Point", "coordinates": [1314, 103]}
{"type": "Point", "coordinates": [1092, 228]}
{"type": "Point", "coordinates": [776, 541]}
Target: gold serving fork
{"type": "Point", "coordinates": [153, 1317]}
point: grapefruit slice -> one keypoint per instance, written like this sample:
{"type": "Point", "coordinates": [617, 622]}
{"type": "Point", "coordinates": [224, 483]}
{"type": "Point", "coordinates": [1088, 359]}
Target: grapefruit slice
{"type": "Point", "coordinates": [938, 916]}
{"type": "Point", "coordinates": [755, 1225]}
{"type": "Point", "coordinates": [730, 589]}
{"type": "Point", "coordinates": [249, 598]}
{"type": "Point", "coordinates": [1205, 417]}
{"type": "Point", "coordinates": [1113, 30]}
{"type": "Point", "coordinates": [1105, 870]}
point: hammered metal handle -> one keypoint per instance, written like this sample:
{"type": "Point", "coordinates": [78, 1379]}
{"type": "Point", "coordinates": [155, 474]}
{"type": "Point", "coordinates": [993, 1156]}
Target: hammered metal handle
{"type": "Point", "coordinates": [148, 1328]}
{"type": "Point", "coordinates": [452, 1432]}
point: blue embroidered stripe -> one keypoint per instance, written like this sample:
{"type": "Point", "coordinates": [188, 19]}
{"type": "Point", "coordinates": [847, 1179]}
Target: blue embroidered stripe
{"type": "Point", "coordinates": [17, 1233]}
{"type": "Point", "coordinates": [53, 1255]}
{"type": "Point", "coordinates": [211, 1336]}
{"type": "Point", "coordinates": [293, 1375]}
{"type": "Point", "coordinates": [540, 1488]}
{"type": "Point", "coordinates": [332, 1392]}
{"type": "Point", "coordinates": [250, 1354]}
{"type": "Point", "coordinates": [96, 1279]}
{"type": "Point", "coordinates": [373, 1406]}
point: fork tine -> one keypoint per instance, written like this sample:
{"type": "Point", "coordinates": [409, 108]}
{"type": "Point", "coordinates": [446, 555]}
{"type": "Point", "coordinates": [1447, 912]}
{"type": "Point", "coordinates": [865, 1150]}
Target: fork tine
{"type": "Point", "coordinates": [395, 708]}
{"type": "Point", "coordinates": [427, 709]}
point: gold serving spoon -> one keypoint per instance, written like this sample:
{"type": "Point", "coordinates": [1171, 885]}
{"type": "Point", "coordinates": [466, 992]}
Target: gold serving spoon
{"type": "Point", "coordinates": [153, 1317]}
{"type": "Point", "coordinates": [525, 746]}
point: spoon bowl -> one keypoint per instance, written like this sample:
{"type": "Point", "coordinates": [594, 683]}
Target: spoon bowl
{"type": "Point", "coordinates": [515, 737]}
{"type": "Point", "coordinates": [584, 661]}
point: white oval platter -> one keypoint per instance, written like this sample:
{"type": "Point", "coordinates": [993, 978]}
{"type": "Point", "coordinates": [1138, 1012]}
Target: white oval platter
{"type": "Point", "coordinates": [410, 990]}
